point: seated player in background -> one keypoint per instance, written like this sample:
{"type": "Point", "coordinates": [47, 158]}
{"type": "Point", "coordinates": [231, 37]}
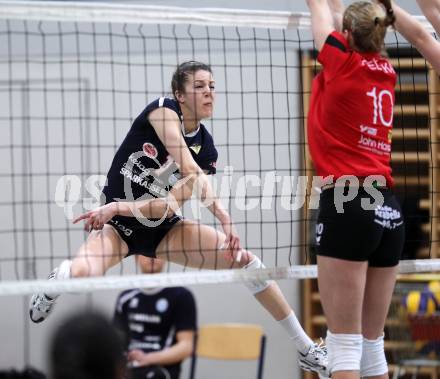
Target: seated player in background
{"type": "Point", "coordinates": [158, 325]}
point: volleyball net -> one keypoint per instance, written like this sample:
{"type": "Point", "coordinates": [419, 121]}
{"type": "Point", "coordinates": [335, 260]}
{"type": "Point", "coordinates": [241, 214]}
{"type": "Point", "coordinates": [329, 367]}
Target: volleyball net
{"type": "Point", "coordinates": [73, 76]}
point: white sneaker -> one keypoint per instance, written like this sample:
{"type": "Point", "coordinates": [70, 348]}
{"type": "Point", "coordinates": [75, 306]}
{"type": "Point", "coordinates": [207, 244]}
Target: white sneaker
{"type": "Point", "coordinates": [316, 360]}
{"type": "Point", "coordinates": [41, 305]}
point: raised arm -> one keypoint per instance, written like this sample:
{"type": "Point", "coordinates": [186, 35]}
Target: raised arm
{"type": "Point", "coordinates": [337, 10]}
{"type": "Point", "coordinates": [417, 35]}
{"type": "Point", "coordinates": [431, 10]}
{"type": "Point", "coordinates": [322, 21]}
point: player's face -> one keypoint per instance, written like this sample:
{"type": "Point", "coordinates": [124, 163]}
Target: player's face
{"type": "Point", "coordinates": [150, 265]}
{"type": "Point", "coordinates": [199, 94]}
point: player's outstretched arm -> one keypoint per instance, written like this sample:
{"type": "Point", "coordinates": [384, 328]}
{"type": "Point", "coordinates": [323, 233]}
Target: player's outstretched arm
{"type": "Point", "coordinates": [322, 21]}
{"type": "Point", "coordinates": [151, 208]}
{"type": "Point", "coordinates": [167, 126]}
{"type": "Point", "coordinates": [431, 10]}
{"type": "Point", "coordinates": [337, 10]}
{"type": "Point", "coordinates": [417, 35]}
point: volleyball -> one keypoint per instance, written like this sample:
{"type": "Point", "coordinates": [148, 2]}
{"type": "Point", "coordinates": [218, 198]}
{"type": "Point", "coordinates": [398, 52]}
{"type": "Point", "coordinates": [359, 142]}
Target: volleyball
{"type": "Point", "coordinates": [434, 288]}
{"type": "Point", "coordinates": [420, 302]}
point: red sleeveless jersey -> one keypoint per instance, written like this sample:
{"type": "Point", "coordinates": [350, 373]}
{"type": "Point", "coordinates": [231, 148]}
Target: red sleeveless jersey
{"type": "Point", "coordinates": [351, 112]}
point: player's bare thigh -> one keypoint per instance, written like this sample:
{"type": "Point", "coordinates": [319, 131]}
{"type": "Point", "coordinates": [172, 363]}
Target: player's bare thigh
{"type": "Point", "coordinates": [341, 285]}
{"type": "Point", "coordinates": [102, 250]}
{"type": "Point", "coordinates": [197, 245]}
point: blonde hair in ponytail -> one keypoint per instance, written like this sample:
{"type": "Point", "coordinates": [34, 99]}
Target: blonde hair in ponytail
{"type": "Point", "coordinates": [368, 23]}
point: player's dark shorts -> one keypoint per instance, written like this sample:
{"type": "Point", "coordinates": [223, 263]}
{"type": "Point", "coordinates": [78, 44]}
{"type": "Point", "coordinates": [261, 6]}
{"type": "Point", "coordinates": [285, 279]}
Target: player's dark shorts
{"type": "Point", "coordinates": [142, 239]}
{"type": "Point", "coordinates": [155, 372]}
{"type": "Point", "coordinates": [376, 236]}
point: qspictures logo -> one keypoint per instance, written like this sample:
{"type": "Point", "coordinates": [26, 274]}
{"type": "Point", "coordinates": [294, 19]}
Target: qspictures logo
{"type": "Point", "coordinates": [269, 192]}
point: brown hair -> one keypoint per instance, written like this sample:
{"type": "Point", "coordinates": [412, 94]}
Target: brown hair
{"type": "Point", "coordinates": [368, 25]}
{"type": "Point", "coordinates": [180, 76]}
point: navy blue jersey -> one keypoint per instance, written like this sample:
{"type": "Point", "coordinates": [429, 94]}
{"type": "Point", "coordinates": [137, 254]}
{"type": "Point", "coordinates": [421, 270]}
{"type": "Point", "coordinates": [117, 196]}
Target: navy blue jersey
{"type": "Point", "coordinates": [151, 319]}
{"type": "Point", "coordinates": [142, 168]}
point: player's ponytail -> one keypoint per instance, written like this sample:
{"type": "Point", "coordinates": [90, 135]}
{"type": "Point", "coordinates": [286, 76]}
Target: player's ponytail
{"type": "Point", "coordinates": [390, 17]}
{"type": "Point", "coordinates": [367, 24]}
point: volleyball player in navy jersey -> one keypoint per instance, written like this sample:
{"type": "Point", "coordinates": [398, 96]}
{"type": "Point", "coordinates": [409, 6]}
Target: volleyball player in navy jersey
{"type": "Point", "coordinates": [158, 324]}
{"type": "Point", "coordinates": [164, 159]}
{"type": "Point", "coordinates": [349, 129]}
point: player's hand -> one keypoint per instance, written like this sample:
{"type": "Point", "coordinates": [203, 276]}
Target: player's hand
{"type": "Point", "coordinates": [95, 220]}
{"type": "Point", "coordinates": [232, 242]}
{"type": "Point", "coordinates": [137, 358]}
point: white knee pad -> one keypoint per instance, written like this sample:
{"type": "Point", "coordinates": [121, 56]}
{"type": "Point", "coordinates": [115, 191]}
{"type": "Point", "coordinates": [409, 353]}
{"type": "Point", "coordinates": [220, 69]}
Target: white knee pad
{"type": "Point", "coordinates": [344, 351]}
{"type": "Point", "coordinates": [373, 362]}
{"type": "Point", "coordinates": [256, 285]}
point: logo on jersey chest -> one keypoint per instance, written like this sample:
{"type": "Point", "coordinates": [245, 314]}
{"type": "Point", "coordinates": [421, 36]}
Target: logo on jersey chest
{"type": "Point", "coordinates": [196, 148]}
{"type": "Point", "coordinates": [162, 305]}
{"type": "Point", "coordinates": [150, 150]}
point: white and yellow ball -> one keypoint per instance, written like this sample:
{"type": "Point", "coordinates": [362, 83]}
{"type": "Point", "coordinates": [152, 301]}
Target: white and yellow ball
{"type": "Point", "coordinates": [420, 303]}
{"type": "Point", "coordinates": [434, 288]}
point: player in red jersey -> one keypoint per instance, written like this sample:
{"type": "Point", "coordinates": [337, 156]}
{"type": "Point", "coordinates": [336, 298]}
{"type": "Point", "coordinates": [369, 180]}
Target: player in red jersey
{"type": "Point", "coordinates": [417, 34]}
{"type": "Point", "coordinates": [360, 231]}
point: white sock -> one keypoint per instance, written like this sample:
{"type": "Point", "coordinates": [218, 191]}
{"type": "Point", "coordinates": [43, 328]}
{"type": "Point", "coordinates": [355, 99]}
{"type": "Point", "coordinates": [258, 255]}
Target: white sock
{"type": "Point", "coordinates": [62, 273]}
{"type": "Point", "coordinates": [295, 331]}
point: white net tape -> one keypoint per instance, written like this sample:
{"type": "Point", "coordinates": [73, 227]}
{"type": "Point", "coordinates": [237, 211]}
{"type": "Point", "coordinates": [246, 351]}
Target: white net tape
{"type": "Point", "coordinates": [140, 14]}
{"type": "Point", "coordinates": [143, 14]}
{"type": "Point", "coordinates": [187, 278]}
